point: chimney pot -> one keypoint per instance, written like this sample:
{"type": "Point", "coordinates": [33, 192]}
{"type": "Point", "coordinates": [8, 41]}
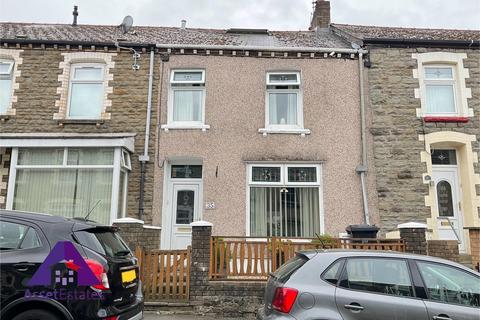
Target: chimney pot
{"type": "Point", "coordinates": [321, 15]}
{"type": "Point", "coordinates": [75, 15]}
{"type": "Point", "coordinates": [184, 24]}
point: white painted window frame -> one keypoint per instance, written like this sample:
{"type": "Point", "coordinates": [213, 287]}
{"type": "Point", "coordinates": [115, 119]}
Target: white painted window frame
{"type": "Point", "coordinates": [286, 184]}
{"type": "Point", "coordinates": [461, 92]}
{"type": "Point", "coordinates": [286, 128]}
{"type": "Point", "coordinates": [432, 82]}
{"type": "Point", "coordinates": [72, 80]}
{"type": "Point", "coordinates": [8, 76]}
{"type": "Point", "coordinates": [171, 124]}
{"type": "Point", "coordinates": [116, 167]}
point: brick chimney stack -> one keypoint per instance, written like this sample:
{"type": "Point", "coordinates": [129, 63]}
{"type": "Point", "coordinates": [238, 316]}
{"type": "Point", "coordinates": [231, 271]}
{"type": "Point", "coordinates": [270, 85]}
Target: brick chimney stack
{"type": "Point", "coordinates": [321, 15]}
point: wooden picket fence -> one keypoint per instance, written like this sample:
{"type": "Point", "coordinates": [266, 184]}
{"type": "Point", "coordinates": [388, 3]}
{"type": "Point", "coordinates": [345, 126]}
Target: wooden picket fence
{"type": "Point", "coordinates": [246, 258]}
{"type": "Point", "coordinates": [165, 274]}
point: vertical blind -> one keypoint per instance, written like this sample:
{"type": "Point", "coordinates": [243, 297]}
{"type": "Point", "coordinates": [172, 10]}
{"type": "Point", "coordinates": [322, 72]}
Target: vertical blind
{"type": "Point", "coordinates": [283, 108]}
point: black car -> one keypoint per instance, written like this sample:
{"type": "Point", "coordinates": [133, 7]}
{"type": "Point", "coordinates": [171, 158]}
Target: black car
{"type": "Point", "coordinates": [26, 239]}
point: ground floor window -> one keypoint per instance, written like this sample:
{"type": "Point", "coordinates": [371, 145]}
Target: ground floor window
{"type": "Point", "coordinates": [284, 200]}
{"type": "Point", "coordinates": [70, 182]}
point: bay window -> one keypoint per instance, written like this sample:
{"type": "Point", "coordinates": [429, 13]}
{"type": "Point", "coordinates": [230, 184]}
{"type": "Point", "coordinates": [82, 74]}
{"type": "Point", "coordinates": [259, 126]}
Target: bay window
{"type": "Point", "coordinates": [186, 108]}
{"type": "Point", "coordinates": [6, 77]}
{"type": "Point", "coordinates": [71, 182]}
{"type": "Point", "coordinates": [284, 200]}
{"type": "Point", "coordinates": [86, 91]}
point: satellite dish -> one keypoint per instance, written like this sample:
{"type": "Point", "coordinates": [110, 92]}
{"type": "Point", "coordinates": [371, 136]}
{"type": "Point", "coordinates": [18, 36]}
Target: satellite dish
{"type": "Point", "coordinates": [127, 24]}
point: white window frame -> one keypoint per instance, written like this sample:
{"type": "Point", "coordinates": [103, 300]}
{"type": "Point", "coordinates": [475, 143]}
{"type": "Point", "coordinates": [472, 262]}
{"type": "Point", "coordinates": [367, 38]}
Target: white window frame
{"type": "Point", "coordinates": [72, 81]}
{"type": "Point", "coordinates": [8, 76]}
{"type": "Point", "coordinates": [284, 183]}
{"type": "Point", "coordinates": [171, 124]}
{"type": "Point", "coordinates": [116, 168]}
{"type": "Point", "coordinates": [434, 82]}
{"type": "Point", "coordinates": [297, 128]}
{"type": "Point", "coordinates": [459, 73]}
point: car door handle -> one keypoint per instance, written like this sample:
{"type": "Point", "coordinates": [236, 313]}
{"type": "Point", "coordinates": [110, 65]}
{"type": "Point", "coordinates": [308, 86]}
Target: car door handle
{"type": "Point", "coordinates": [441, 317]}
{"type": "Point", "coordinates": [354, 307]}
{"type": "Point", "coordinates": [23, 266]}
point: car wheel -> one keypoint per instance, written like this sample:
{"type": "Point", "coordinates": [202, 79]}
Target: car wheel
{"type": "Point", "coordinates": [36, 314]}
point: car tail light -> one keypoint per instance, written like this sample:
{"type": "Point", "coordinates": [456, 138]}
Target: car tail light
{"type": "Point", "coordinates": [111, 318]}
{"type": "Point", "coordinates": [99, 271]}
{"type": "Point", "coordinates": [284, 299]}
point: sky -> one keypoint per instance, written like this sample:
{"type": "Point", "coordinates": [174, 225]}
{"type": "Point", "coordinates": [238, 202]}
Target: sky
{"type": "Point", "coordinates": [267, 14]}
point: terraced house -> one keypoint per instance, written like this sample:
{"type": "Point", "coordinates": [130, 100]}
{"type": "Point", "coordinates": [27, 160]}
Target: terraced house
{"type": "Point", "coordinates": [260, 132]}
{"type": "Point", "coordinates": [424, 88]}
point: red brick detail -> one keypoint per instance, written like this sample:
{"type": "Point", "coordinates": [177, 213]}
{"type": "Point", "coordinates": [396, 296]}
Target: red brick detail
{"type": "Point", "coordinates": [446, 119]}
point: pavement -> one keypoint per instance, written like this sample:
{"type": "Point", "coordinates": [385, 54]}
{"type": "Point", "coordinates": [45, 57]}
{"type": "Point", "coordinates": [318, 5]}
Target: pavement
{"type": "Point", "coordinates": [151, 315]}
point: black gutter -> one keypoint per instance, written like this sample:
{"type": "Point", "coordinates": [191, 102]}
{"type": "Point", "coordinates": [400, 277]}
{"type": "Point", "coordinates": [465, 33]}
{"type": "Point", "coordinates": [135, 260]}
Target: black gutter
{"type": "Point", "coordinates": [77, 43]}
{"type": "Point", "coordinates": [420, 42]}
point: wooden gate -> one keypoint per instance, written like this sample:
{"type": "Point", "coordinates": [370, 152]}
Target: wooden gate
{"type": "Point", "coordinates": [165, 274]}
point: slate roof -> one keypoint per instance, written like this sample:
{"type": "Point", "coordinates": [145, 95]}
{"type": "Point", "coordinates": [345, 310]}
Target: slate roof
{"type": "Point", "coordinates": [376, 32]}
{"type": "Point", "coordinates": [144, 35]}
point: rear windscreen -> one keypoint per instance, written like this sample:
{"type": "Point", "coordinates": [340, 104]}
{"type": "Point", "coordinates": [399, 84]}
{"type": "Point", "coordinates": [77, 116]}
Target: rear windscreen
{"type": "Point", "coordinates": [288, 269]}
{"type": "Point", "coordinates": [107, 243]}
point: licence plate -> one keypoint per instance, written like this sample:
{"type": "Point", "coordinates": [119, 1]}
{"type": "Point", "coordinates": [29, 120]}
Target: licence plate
{"type": "Point", "coordinates": [129, 276]}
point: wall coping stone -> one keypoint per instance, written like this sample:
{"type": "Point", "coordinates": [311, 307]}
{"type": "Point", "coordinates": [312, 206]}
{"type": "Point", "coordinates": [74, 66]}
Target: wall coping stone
{"type": "Point", "coordinates": [128, 220]}
{"type": "Point", "coordinates": [412, 225]}
{"type": "Point", "coordinates": [201, 223]}
{"type": "Point", "coordinates": [152, 227]}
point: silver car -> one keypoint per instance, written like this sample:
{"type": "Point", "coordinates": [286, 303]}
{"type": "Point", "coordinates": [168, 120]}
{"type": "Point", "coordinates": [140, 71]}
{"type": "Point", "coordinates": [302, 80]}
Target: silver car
{"type": "Point", "coordinates": [371, 285]}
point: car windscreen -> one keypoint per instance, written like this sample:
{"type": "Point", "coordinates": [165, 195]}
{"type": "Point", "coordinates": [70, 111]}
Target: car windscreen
{"type": "Point", "coordinates": [289, 268]}
{"type": "Point", "coordinates": [105, 242]}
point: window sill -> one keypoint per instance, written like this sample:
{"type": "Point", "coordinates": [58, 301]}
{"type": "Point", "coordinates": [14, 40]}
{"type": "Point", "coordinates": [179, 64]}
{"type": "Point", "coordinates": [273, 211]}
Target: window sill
{"type": "Point", "coordinates": [203, 127]}
{"type": "Point", "coordinates": [301, 132]}
{"type": "Point", "coordinates": [96, 122]}
{"type": "Point", "coordinates": [445, 119]}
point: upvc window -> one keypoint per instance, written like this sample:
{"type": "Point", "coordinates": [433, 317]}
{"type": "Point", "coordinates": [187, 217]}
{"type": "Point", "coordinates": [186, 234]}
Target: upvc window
{"type": "Point", "coordinates": [284, 102]}
{"type": "Point", "coordinates": [440, 89]}
{"type": "Point", "coordinates": [6, 78]}
{"type": "Point", "coordinates": [284, 200]}
{"type": "Point", "coordinates": [86, 91]}
{"type": "Point", "coordinates": [187, 99]}
{"type": "Point", "coordinates": [70, 182]}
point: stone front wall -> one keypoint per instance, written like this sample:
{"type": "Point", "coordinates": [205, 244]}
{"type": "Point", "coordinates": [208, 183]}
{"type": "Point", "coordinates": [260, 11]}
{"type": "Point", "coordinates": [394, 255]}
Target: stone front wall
{"type": "Point", "coordinates": [4, 169]}
{"type": "Point", "coordinates": [37, 93]}
{"type": "Point", "coordinates": [224, 298]}
{"type": "Point", "coordinates": [415, 240]}
{"type": "Point", "coordinates": [445, 249]}
{"type": "Point", "coordinates": [135, 233]}
{"type": "Point", "coordinates": [396, 130]}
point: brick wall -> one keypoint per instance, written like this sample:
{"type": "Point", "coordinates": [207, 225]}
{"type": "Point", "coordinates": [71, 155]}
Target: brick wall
{"type": "Point", "coordinates": [415, 240]}
{"type": "Point", "coordinates": [474, 234]}
{"type": "Point", "coordinates": [225, 298]}
{"type": "Point", "coordinates": [445, 249]}
{"type": "Point", "coordinates": [38, 90]}
{"type": "Point", "coordinates": [396, 129]}
{"type": "Point", "coordinates": [135, 233]}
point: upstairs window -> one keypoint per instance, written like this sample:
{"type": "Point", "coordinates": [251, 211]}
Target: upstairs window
{"type": "Point", "coordinates": [440, 90]}
{"type": "Point", "coordinates": [284, 101]}
{"type": "Point", "coordinates": [187, 98]}
{"type": "Point", "coordinates": [86, 95]}
{"type": "Point", "coordinates": [6, 77]}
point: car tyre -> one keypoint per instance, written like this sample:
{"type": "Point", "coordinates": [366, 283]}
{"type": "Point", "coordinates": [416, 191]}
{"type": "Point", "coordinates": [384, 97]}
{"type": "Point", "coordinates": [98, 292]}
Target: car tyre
{"type": "Point", "coordinates": [36, 314]}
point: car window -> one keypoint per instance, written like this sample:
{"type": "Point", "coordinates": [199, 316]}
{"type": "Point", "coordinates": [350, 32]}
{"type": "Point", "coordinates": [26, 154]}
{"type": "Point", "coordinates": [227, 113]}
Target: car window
{"type": "Point", "coordinates": [30, 240]}
{"type": "Point", "coordinates": [332, 273]}
{"type": "Point", "coordinates": [11, 235]}
{"type": "Point", "coordinates": [289, 268]}
{"type": "Point", "coordinates": [387, 276]}
{"type": "Point", "coordinates": [105, 242]}
{"type": "Point", "coordinates": [450, 285]}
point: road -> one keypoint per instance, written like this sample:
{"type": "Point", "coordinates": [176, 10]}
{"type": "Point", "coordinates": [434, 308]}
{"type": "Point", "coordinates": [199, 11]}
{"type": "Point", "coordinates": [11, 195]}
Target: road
{"type": "Point", "coordinates": [154, 316]}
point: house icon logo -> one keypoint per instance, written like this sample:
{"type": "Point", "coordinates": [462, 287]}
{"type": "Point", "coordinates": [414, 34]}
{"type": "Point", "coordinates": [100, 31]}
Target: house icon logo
{"type": "Point", "coordinates": [64, 267]}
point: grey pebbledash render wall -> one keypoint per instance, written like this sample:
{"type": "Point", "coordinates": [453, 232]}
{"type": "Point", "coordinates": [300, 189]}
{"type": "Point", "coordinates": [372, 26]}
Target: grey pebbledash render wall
{"type": "Point", "coordinates": [396, 129]}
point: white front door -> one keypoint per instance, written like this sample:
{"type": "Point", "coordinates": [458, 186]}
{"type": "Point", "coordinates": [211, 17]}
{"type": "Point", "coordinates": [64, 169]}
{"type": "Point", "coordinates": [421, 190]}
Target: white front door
{"type": "Point", "coordinates": [448, 204]}
{"type": "Point", "coordinates": [185, 209]}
